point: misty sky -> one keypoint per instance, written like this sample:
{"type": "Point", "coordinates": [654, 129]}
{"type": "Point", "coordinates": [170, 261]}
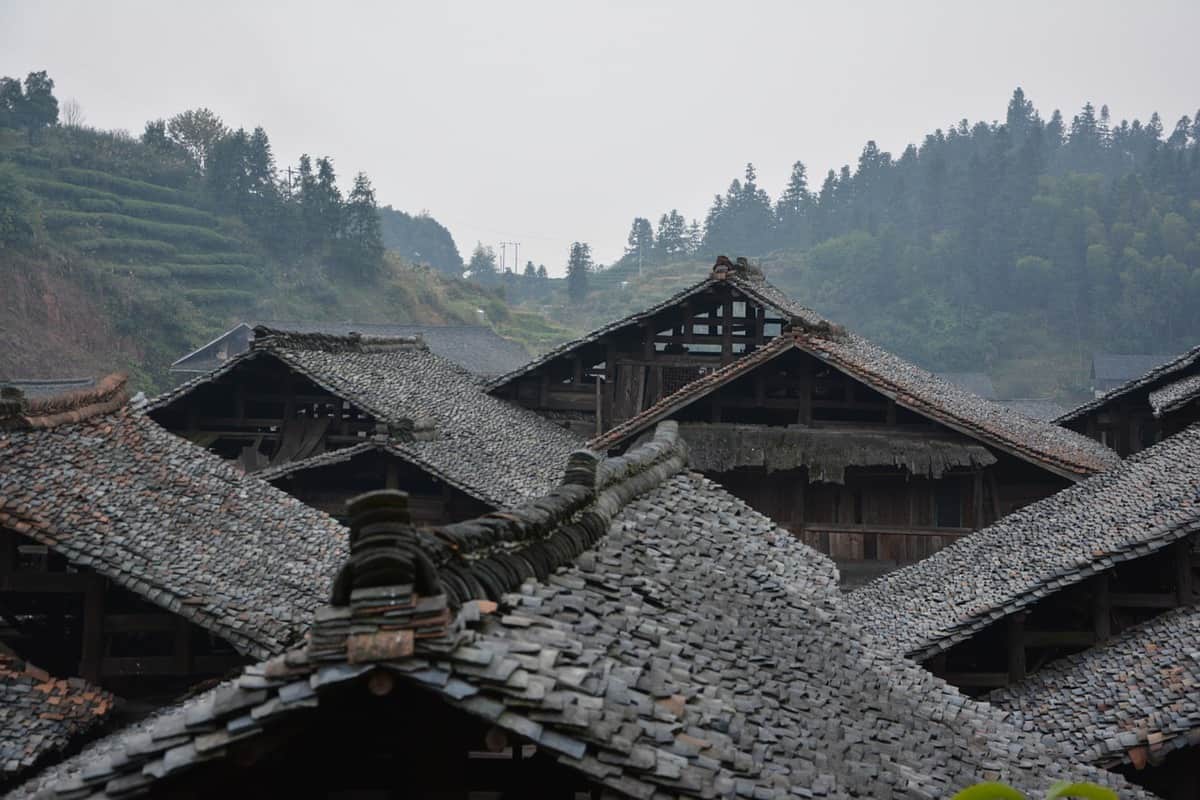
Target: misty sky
{"type": "Point", "coordinates": [550, 122]}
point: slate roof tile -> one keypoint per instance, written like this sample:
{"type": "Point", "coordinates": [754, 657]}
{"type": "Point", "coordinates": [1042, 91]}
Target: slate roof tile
{"type": "Point", "coordinates": [1152, 499]}
{"type": "Point", "coordinates": [751, 677]}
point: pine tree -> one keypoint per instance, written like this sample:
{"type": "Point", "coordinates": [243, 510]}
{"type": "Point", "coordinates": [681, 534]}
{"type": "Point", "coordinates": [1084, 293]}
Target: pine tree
{"type": "Point", "coordinates": [640, 243]}
{"type": "Point", "coordinates": [579, 264]}
{"type": "Point", "coordinates": [482, 265]}
{"type": "Point", "coordinates": [361, 240]}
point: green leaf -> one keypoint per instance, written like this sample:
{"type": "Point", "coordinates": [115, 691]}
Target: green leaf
{"type": "Point", "coordinates": [1088, 791]}
{"type": "Point", "coordinates": [989, 791]}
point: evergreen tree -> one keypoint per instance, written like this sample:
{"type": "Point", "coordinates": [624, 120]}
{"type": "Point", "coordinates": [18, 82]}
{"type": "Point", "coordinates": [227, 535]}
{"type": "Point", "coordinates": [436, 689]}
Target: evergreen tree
{"type": "Point", "coordinates": [361, 241]}
{"type": "Point", "coordinates": [579, 264]}
{"type": "Point", "coordinates": [640, 242]}
{"type": "Point", "coordinates": [482, 265]}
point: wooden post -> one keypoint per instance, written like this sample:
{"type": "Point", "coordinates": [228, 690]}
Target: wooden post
{"type": "Point", "coordinates": [599, 409]}
{"type": "Point", "coordinates": [1101, 607]}
{"type": "Point", "coordinates": [1182, 553]}
{"type": "Point", "coordinates": [977, 489]}
{"type": "Point", "coordinates": [93, 628]}
{"type": "Point", "coordinates": [727, 331]}
{"type": "Point", "coordinates": [1016, 647]}
{"type": "Point", "coordinates": [804, 415]}
{"type": "Point", "coordinates": [182, 655]}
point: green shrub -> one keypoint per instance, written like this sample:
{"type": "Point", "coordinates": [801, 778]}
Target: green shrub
{"type": "Point", "coordinates": [168, 212]}
{"type": "Point", "coordinates": [226, 273]}
{"type": "Point", "coordinates": [219, 297]}
{"type": "Point", "coordinates": [129, 248]}
{"type": "Point", "coordinates": [122, 186]}
{"type": "Point", "coordinates": [176, 234]}
{"type": "Point", "coordinates": [95, 205]}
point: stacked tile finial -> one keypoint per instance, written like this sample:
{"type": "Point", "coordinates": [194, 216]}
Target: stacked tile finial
{"type": "Point", "coordinates": [384, 548]}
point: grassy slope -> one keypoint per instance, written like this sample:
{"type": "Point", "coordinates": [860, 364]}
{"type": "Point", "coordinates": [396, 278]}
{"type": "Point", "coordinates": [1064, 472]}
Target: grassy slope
{"type": "Point", "coordinates": [132, 270]}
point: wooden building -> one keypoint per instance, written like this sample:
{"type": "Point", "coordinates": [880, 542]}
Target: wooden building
{"type": "Point", "coordinates": [1061, 576]}
{"type": "Point", "coordinates": [327, 417]}
{"type": "Point", "coordinates": [1131, 705]}
{"type": "Point", "coordinates": [637, 632]}
{"type": "Point", "coordinates": [1136, 414]}
{"type": "Point", "coordinates": [864, 456]}
{"type": "Point", "coordinates": [137, 561]}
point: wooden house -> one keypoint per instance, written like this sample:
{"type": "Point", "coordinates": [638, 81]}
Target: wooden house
{"type": "Point", "coordinates": [1130, 705]}
{"type": "Point", "coordinates": [137, 561]}
{"type": "Point", "coordinates": [1134, 415]}
{"type": "Point", "coordinates": [1060, 576]}
{"type": "Point", "coordinates": [327, 417]}
{"type": "Point", "coordinates": [861, 454]}
{"type": "Point", "coordinates": [636, 632]}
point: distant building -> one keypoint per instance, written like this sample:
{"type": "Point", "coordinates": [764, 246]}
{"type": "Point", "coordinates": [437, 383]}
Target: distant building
{"type": "Point", "coordinates": [1155, 403]}
{"type": "Point", "coordinates": [476, 348]}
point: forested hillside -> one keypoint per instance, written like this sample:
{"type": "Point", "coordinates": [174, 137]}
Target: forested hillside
{"type": "Point", "coordinates": [123, 252]}
{"type": "Point", "coordinates": [1018, 246]}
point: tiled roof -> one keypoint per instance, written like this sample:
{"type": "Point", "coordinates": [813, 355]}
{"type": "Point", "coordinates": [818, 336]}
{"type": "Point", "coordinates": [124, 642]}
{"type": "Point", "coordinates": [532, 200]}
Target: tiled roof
{"type": "Point", "coordinates": [754, 286]}
{"type": "Point", "coordinates": [47, 387]}
{"type": "Point", "coordinates": [1135, 699]}
{"type": "Point", "coordinates": [172, 523]}
{"type": "Point", "coordinates": [1040, 408]}
{"type": "Point", "coordinates": [493, 450]}
{"type": "Point", "coordinates": [664, 640]}
{"type": "Point", "coordinates": [1061, 450]}
{"type": "Point", "coordinates": [41, 716]}
{"type": "Point", "coordinates": [476, 348]}
{"type": "Point", "coordinates": [1175, 395]}
{"type": "Point", "coordinates": [1152, 499]}
{"type": "Point", "coordinates": [977, 383]}
{"type": "Point", "coordinates": [1152, 374]}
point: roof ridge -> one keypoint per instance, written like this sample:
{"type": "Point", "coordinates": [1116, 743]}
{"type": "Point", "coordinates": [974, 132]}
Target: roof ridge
{"type": "Point", "coordinates": [269, 338]}
{"type": "Point", "coordinates": [489, 556]}
{"type": "Point", "coordinates": [77, 405]}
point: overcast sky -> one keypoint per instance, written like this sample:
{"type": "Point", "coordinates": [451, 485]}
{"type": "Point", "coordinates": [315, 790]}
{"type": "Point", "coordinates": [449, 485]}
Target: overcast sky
{"type": "Point", "coordinates": [550, 122]}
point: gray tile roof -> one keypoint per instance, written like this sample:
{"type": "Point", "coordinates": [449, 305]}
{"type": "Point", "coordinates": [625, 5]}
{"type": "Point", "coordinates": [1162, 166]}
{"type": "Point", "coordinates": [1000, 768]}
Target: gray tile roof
{"type": "Point", "coordinates": [691, 648]}
{"type": "Point", "coordinates": [177, 525]}
{"type": "Point", "coordinates": [42, 716]}
{"type": "Point", "coordinates": [977, 383]}
{"type": "Point", "coordinates": [1155, 372]}
{"type": "Point", "coordinates": [1175, 395]}
{"type": "Point", "coordinates": [495, 451]}
{"type": "Point", "coordinates": [1152, 499]}
{"type": "Point", "coordinates": [48, 387]}
{"type": "Point", "coordinates": [476, 348]}
{"type": "Point", "coordinates": [1135, 699]}
{"type": "Point", "coordinates": [1065, 452]}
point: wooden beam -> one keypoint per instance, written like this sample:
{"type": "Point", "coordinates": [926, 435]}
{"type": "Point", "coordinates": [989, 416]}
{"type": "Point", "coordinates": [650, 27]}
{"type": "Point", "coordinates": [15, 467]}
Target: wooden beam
{"type": "Point", "coordinates": [1063, 638]}
{"type": "Point", "coordinates": [727, 332]}
{"type": "Point", "coordinates": [1101, 607]}
{"type": "Point", "coordinates": [1144, 600]}
{"type": "Point", "coordinates": [93, 628]}
{"type": "Point", "coordinates": [1015, 643]}
{"type": "Point", "coordinates": [1182, 552]}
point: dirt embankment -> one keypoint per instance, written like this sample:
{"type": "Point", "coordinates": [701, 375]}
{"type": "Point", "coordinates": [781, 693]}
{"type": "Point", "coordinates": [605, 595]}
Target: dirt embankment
{"type": "Point", "coordinates": [50, 327]}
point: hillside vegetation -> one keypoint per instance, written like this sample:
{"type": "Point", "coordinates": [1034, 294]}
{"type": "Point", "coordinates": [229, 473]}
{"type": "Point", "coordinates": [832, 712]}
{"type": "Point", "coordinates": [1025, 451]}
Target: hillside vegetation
{"type": "Point", "coordinates": [1017, 247]}
{"type": "Point", "coordinates": [127, 253]}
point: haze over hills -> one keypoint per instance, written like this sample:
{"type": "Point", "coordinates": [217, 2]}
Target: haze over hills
{"type": "Point", "coordinates": [126, 253]}
{"type": "Point", "coordinates": [1016, 247]}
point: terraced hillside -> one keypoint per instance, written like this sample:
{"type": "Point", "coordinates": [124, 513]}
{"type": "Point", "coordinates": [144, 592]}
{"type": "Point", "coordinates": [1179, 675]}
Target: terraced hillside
{"type": "Point", "coordinates": [130, 266]}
